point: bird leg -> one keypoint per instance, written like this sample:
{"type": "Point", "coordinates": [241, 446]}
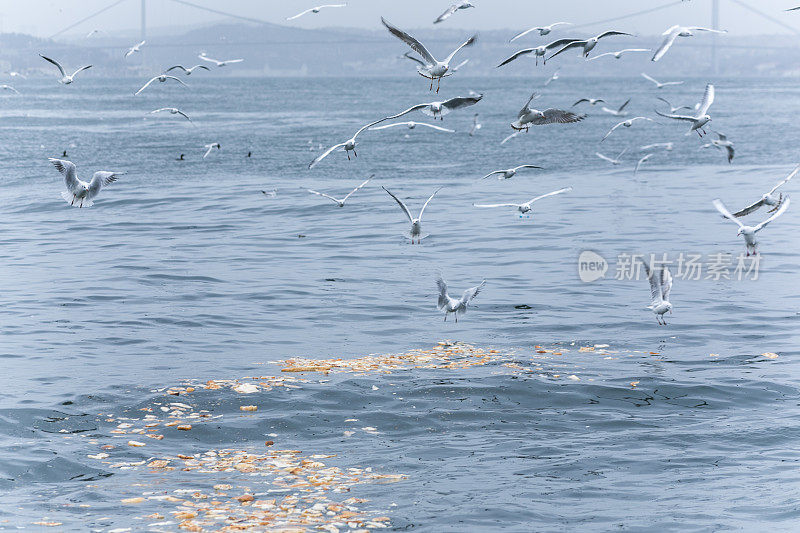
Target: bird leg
{"type": "Point", "coordinates": [73, 200]}
{"type": "Point", "coordinates": [348, 154]}
{"type": "Point", "coordinates": [438, 84]}
{"type": "Point", "coordinates": [431, 88]}
{"type": "Point", "coordinates": [354, 152]}
{"type": "Point", "coordinates": [445, 316]}
{"type": "Point", "coordinates": [456, 315]}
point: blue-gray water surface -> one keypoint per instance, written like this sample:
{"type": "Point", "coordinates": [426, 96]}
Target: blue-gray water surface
{"type": "Point", "coordinates": [183, 272]}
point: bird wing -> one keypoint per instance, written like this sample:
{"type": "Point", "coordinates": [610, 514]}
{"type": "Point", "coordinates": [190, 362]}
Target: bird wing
{"type": "Point", "coordinates": [319, 157]}
{"type": "Point", "coordinates": [414, 59]}
{"type": "Point", "coordinates": [573, 44]}
{"type": "Point", "coordinates": [778, 213]}
{"type": "Point", "coordinates": [665, 282]}
{"type": "Point", "coordinates": [561, 42]}
{"type": "Point", "coordinates": [580, 101]}
{"type": "Point", "coordinates": [565, 189]}
{"type": "Point", "coordinates": [492, 174]}
{"type": "Point", "coordinates": [56, 63]}
{"type": "Point", "coordinates": [665, 101]}
{"type": "Point", "coordinates": [708, 99]}
{"type": "Point", "coordinates": [527, 166]}
{"type": "Point", "coordinates": [300, 14]}
{"type": "Point", "coordinates": [206, 58]}
{"type": "Point", "coordinates": [208, 151]}
{"type": "Point", "coordinates": [471, 293]}
{"type": "Point", "coordinates": [357, 188]}
{"type": "Point", "coordinates": [604, 158]}
{"type": "Point", "coordinates": [610, 33]}
{"type": "Point", "coordinates": [400, 203]}
{"type": "Point", "coordinates": [442, 285]}
{"type": "Point", "coordinates": [233, 60]}
{"type": "Point", "coordinates": [612, 130]}
{"type": "Point", "coordinates": [649, 78]}
{"type": "Point", "coordinates": [180, 67]}
{"type": "Point", "coordinates": [427, 202]}
{"type": "Point", "coordinates": [731, 152]}
{"type": "Point", "coordinates": [87, 67]}
{"type": "Point", "coordinates": [665, 44]}
{"type": "Point", "coordinates": [407, 111]}
{"type": "Point", "coordinates": [176, 79]}
{"type": "Point", "coordinates": [415, 45]}
{"type": "Point", "coordinates": [101, 178]}
{"type": "Point", "coordinates": [724, 212]}
{"type": "Point", "coordinates": [642, 160]}
{"type": "Point", "coordinates": [698, 28]}
{"type": "Point", "coordinates": [468, 42]}
{"type": "Point", "coordinates": [435, 127]}
{"type": "Point", "coordinates": [68, 170]}
{"type": "Point", "coordinates": [312, 191]}
{"type": "Point", "coordinates": [460, 101]}
{"type": "Point", "coordinates": [601, 55]}
{"type": "Point", "coordinates": [390, 126]}
{"type": "Point", "coordinates": [184, 115]}
{"type": "Point", "coordinates": [749, 209]}
{"type": "Point", "coordinates": [557, 116]}
{"type": "Point", "coordinates": [787, 178]}
{"type": "Point", "coordinates": [623, 105]}
{"type": "Point", "coordinates": [510, 137]}
{"type": "Point", "coordinates": [199, 66]}
{"type": "Point", "coordinates": [675, 117]}
{"type": "Point", "coordinates": [515, 55]}
{"type": "Point", "coordinates": [444, 16]}
{"type": "Point", "coordinates": [368, 126]}
{"type": "Point", "coordinates": [145, 86]}
{"type": "Point", "coordinates": [656, 296]}
{"type": "Point", "coordinates": [522, 34]}
{"type": "Point", "coordinates": [495, 205]}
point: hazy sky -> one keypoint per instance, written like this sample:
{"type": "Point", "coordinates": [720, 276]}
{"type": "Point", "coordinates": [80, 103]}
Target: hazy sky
{"type": "Point", "coordinates": [46, 17]}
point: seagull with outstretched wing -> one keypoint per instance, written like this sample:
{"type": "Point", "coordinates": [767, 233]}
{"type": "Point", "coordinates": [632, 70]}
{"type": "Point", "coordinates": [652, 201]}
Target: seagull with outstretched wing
{"type": "Point", "coordinates": [528, 116]}
{"type": "Point", "coordinates": [412, 125]}
{"type": "Point", "coordinates": [678, 31]}
{"type": "Point", "coordinates": [640, 162]}
{"type": "Point", "coordinates": [749, 232]}
{"type": "Point", "coordinates": [508, 173]}
{"type": "Point", "coordinates": [543, 30]}
{"type": "Point", "coordinates": [588, 44]}
{"type": "Point", "coordinates": [315, 10]}
{"type": "Point", "coordinates": [135, 48]}
{"type": "Point", "coordinates": [659, 84]}
{"type": "Point", "coordinates": [416, 223]}
{"type": "Point", "coordinates": [618, 54]}
{"type": "Point", "coordinates": [722, 143]}
{"type": "Point", "coordinates": [349, 145]}
{"type": "Point", "coordinates": [527, 206]}
{"type": "Point", "coordinates": [80, 193]}
{"type": "Point", "coordinates": [341, 202]}
{"type": "Point", "coordinates": [188, 71]}
{"type": "Point", "coordinates": [620, 111]}
{"type": "Point", "coordinates": [65, 79]}
{"type": "Point", "coordinates": [701, 117]}
{"type": "Point", "coordinates": [626, 123]}
{"type": "Point", "coordinates": [448, 304]}
{"type": "Point", "coordinates": [461, 4]}
{"type": "Point", "coordinates": [768, 199]}
{"type": "Point", "coordinates": [217, 62]}
{"type": "Point", "coordinates": [172, 111]}
{"type": "Point", "coordinates": [590, 101]}
{"type": "Point", "coordinates": [615, 161]}
{"type": "Point", "coordinates": [660, 287]}
{"type": "Point", "coordinates": [537, 51]}
{"type": "Point", "coordinates": [160, 78]}
{"type": "Point", "coordinates": [440, 109]}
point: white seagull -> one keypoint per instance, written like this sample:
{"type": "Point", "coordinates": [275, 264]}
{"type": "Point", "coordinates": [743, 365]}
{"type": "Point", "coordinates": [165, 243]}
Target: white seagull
{"type": "Point", "coordinates": [15, 74]}
{"type": "Point", "coordinates": [592, 101]}
{"type": "Point", "coordinates": [341, 202]}
{"type": "Point", "coordinates": [475, 125]}
{"type": "Point", "coordinates": [666, 146]}
{"type": "Point", "coordinates": [722, 143]}
{"type": "Point", "coordinates": [316, 9]}
{"type": "Point", "coordinates": [450, 305]}
{"type": "Point", "coordinates": [768, 199]}
{"type": "Point", "coordinates": [587, 44]}
{"type": "Point", "coordinates": [618, 54]}
{"type": "Point", "coordinates": [749, 232]}
{"type": "Point", "coordinates": [416, 223]}
{"type": "Point", "coordinates": [672, 108]}
{"type": "Point", "coordinates": [528, 116]}
{"type": "Point", "coordinates": [440, 109]}
{"type": "Point", "coordinates": [80, 193]}
{"type": "Point", "coordinates": [701, 117]}
{"type": "Point", "coordinates": [552, 78]}
{"type": "Point", "coordinates": [627, 123]}
{"type": "Point", "coordinates": [639, 163]}
{"type": "Point", "coordinates": [678, 31]}
{"type": "Point", "coordinates": [210, 147]}
{"type": "Point", "coordinates": [349, 145]}
{"type": "Point", "coordinates": [161, 78]}
{"type": "Point", "coordinates": [461, 4]}
{"type": "Point", "coordinates": [543, 30]}
{"type": "Point", "coordinates": [615, 161]}
{"type": "Point", "coordinates": [537, 51]}
{"type": "Point", "coordinates": [135, 48]}
{"type": "Point", "coordinates": [189, 70]}
{"type": "Point", "coordinates": [619, 112]}
{"type": "Point", "coordinates": [65, 79]}
{"type": "Point", "coordinates": [660, 286]}
{"type": "Point", "coordinates": [218, 63]}
{"type": "Point", "coordinates": [172, 111]}
{"type": "Point", "coordinates": [9, 88]}
{"type": "Point", "coordinates": [433, 69]}
{"type": "Point", "coordinates": [412, 125]}
{"type": "Point", "coordinates": [508, 173]}
{"type": "Point", "coordinates": [527, 206]}
{"type": "Point", "coordinates": [658, 84]}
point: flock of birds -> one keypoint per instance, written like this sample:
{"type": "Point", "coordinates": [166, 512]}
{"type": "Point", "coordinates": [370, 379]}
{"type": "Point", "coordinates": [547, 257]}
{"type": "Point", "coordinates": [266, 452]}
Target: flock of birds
{"type": "Point", "coordinates": [81, 193]}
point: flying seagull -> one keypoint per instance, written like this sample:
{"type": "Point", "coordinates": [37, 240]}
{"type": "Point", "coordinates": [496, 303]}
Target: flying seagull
{"type": "Point", "coordinates": [135, 48]}
{"type": "Point", "coordinates": [538, 51]}
{"type": "Point", "coordinates": [660, 286]}
{"type": "Point", "coordinates": [701, 117]}
{"type": "Point", "coordinates": [749, 232]}
{"type": "Point", "coordinates": [440, 109]}
{"type": "Point", "coordinates": [9, 88]}
{"type": "Point", "coordinates": [433, 69]}
{"type": "Point", "coordinates": [416, 223]}
{"type": "Point", "coordinates": [551, 79]}
{"type": "Point", "coordinates": [412, 125]}
{"type": "Point", "coordinates": [678, 31]}
{"type": "Point", "coordinates": [66, 80]}
{"type": "Point", "coordinates": [591, 101]}
{"type": "Point", "coordinates": [189, 70]}
{"type": "Point", "coordinates": [218, 63]}
{"type": "Point", "coordinates": [172, 111]}
{"type": "Point", "coordinates": [161, 78]}
{"type": "Point", "coordinates": [615, 161]}
{"type": "Point", "coordinates": [666, 146]}
{"type": "Point", "coordinates": [768, 199]}
{"type": "Point", "coordinates": [210, 147]}
{"type": "Point", "coordinates": [722, 143]}
{"type": "Point", "coordinates": [349, 145]}
{"type": "Point", "coordinates": [639, 163]}
{"type": "Point", "coordinates": [508, 173]}
{"type": "Point", "coordinates": [627, 123]}
{"type": "Point", "coordinates": [15, 74]}
{"type": "Point", "coordinates": [619, 112]}
{"type": "Point", "coordinates": [587, 44]}
{"type": "Point", "coordinates": [315, 10]}
{"type": "Point", "coordinates": [659, 85]}
{"type": "Point", "coordinates": [341, 202]}
{"type": "Point", "coordinates": [543, 30]}
{"type": "Point", "coordinates": [449, 304]}
{"type": "Point", "coordinates": [672, 108]}
{"type": "Point", "coordinates": [618, 54]}
{"type": "Point", "coordinates": [527, 206]}
{"type": "Point", "coordinates": [461, 4]}
{"type": "Point", "coordinates": [475, 125]}
{"type": "Point", "coordinates": [80, 193]}
{"type": "Point", "coordinates": [528, 117]}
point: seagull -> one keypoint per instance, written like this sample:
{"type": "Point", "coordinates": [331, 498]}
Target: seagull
{"type": "Point", "coordinates": [768, 199]}
{"type": "Point", "coordinates": [341, 202]}
{"type": "Point", "coordinates": [666, 146]}
{"type": "Point", "coordinates": [80, 190]}
{"type": "Point", "coordinates": [659, 85]}
{"type": "Point", "coordinates": [204, 57]}
{"type": "Point", "coordinates": [161, 78]}
{"type": "Point", "coordinates": [411, 125]}
{"type": "Point", "coordinates": [618, 54]}
{"type": "Point", "coordinates": [15, 74]}
{"type": "Point", "coordinates": [9, 88]}
{"type": "Point", "coordinates": [528, 116]}
{"type": "Point", "coordinates": [510, 137]}
{"type": "Point", "coordinates": [592, 101]}
{"type": "Point", "coordinates": [64, 153]}
{"type": "Point", "coordinates": [450, 305]}
{"type": "Point", "coordinates": [433, 69]}
{"type": "Point", "coordinates": [66, 80]}
{"type": "Point", "coordinates": [93, 32]}
{"type": "Point", "coordinates": [527, 206]}
{"type": "Point", "coordinates": [180, 158]}
{"type": "Point", "coordinates": [627, 123]}
{"type": "Point", "coordinates": [543, 30]}
{"type": "Point", "coordinates": [189, 70]}
{"type": "Point", "coordinates": [672, 108]}
{"type": "Point", "coordinates": [134, 48]}
{"type": "Point", "coordinates": [270, 194]}
{"type": "Point", "coordinates": [701, 117]}
{"type": "Point", "coordinates": [461, 4]}
{"type": "Point", "coordinates": [660, 285]}
{"type": "Point", "coordinates": [432, 109]}
{"type": "Point", "coordinates": [416, 223]}
{"type": "Point", "coordinates": [722, 142]}
{"type": "Point", "coordinates": [475, 125]}
{"type": "Point", "coordinates": [639, 163]}
{"type": "Point", "coordinates": [349, 145]}
{"type": "Point", "coordinates": [587, 44]}
{"type": "Point", "coordinates": [315, 10]}
{"type": "Point", "coordinates": [210, 147]}
{"type": "Point", "coordinates": [749, 232]}
{"type": "Point", "coordinates": [172, 111]}
{"type": "Point", "coordinates": [509, 173]}
{"type": "Point", "coordinates": [538, 51]}
{"type": "Point", "coordinates": [678, 31]}
{"type": "Point", "coordinates": [619, 112]}
{"type": "Point", "coordinates": [551, 78]}
{"type": "Point", "coordinates": [614, 162]}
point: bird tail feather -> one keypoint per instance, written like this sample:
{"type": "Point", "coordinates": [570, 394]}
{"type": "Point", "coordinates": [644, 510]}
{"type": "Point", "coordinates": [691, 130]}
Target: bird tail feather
{"type": "Point", "coordinates": [76, 202]}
